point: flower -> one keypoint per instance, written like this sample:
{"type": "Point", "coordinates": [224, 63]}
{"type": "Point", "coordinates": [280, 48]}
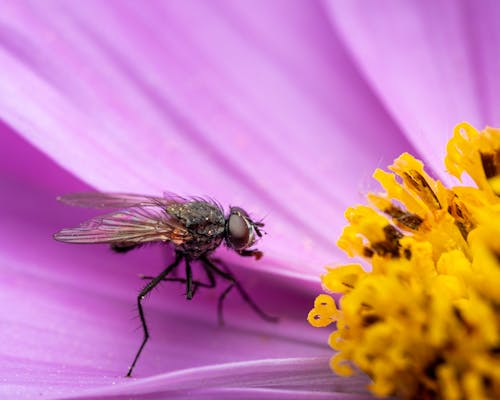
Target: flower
{"type": "Point", "coordinates": [281, 107]}
{"type": "Point", "coordinates": [425, 321]}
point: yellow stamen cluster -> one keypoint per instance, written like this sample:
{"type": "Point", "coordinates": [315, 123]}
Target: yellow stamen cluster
{"type": "Point", "coordinates": [425, 321]}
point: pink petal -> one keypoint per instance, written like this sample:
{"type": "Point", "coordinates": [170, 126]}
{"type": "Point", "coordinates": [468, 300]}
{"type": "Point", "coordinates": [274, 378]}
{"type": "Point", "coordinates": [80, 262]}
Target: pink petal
{"type": "Point", "coordinates": [274, 377]}
{"type": "Point", "coordinates": [200, 99]}
{"type": "Point", "coordinates": [432, 64]}
{"type": "Point", "coordinates": [70, 318]}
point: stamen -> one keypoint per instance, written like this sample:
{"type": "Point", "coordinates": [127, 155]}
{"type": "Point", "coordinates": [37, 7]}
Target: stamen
{"type": "Point", "coordinates": [425, 321]}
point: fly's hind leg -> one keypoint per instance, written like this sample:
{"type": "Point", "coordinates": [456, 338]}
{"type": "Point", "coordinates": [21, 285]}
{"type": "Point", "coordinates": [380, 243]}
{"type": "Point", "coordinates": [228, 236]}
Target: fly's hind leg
{"type": "Point", "coordinates": [150, 286]}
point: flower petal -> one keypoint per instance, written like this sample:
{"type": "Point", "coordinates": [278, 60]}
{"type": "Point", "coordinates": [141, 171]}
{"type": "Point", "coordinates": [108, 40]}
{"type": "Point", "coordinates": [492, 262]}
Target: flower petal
{"type": "Point", "coordinates": [200, 99]}
{"type": "Point", "coordinates": [433, 64]}
{"type": "Point", "coordinates": [70, 315]}
{"type": "Point", "coordinates": [283, 376]}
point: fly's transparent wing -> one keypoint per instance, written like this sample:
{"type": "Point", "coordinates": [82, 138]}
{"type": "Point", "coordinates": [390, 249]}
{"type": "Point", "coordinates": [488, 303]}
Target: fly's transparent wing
{"type": "Point", "coordinates": [112, 200]}
{"type": "Point", "coordinates": [134, 225]}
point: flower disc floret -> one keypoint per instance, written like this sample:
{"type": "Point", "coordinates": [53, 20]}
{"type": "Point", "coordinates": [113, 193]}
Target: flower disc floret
{"type": "Point", "coordinates": [424, 321]}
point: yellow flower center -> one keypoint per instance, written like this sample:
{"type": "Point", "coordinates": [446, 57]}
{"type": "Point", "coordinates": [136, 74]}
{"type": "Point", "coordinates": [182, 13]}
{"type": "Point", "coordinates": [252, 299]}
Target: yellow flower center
{"type": "Point", "coordinates": [425, 321]}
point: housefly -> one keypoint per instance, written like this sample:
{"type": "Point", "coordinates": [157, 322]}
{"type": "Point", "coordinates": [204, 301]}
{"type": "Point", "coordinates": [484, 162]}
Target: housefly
{"type": "Point", "coordinates": [194, 227]}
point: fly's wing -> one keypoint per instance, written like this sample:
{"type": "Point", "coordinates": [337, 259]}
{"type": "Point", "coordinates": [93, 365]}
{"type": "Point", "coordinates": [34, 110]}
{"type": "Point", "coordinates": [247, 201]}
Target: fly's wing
{"type": "Point", "coordinates": [113, 200]}
{"type": "Point", "coordinates": [133, 225]}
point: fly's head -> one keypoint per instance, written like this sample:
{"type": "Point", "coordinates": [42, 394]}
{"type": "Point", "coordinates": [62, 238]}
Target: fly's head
{"type": "Point", "coordinates": [242, 232]}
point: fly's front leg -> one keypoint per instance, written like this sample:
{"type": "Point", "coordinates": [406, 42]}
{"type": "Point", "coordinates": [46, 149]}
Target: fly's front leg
{"type": "Point", "coordinates": [220, 301]}
{"type": "Point", "coordinates": [220, 314]}
{"type": "Point", "coordinates": [251, 253]}
{"type": "Point", "coordinates": [227, 275]}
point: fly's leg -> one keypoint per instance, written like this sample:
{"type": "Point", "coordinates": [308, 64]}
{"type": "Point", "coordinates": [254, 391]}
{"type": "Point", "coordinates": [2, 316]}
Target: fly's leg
{"type": "Point", "coordinates": [150, 286]}
{"type": "Point", "coordinates": [227, 275]}
{"type": "Point", "coordinates": [189, 281]}
{"type": "Point", "coordinates": [220, 301]}
{"type": "Point", "coordinates": [220, 313]}
{"type": "Point", "coordinates": [257, 254]}
{"type": "Point", "coordinates": [196, 284]}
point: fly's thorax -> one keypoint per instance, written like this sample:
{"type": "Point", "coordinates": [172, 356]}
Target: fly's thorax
{"type": "Point", "coordinates": [197, 214]}
{"type": "Point", "coordinates": [205, 224]}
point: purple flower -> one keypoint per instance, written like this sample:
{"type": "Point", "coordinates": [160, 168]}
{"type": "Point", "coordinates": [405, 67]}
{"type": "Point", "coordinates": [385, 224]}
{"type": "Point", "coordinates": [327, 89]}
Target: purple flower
{"type": "Point", "coordinates": [282, 107]}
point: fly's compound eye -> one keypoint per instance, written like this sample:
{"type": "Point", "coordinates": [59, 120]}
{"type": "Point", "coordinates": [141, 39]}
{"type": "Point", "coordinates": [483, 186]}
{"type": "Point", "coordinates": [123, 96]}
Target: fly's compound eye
{"type": "Point", "coordinates": [240, 232]}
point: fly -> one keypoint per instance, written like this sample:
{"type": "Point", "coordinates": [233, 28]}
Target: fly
{"type": "Point", "coordinates": [193, 226]}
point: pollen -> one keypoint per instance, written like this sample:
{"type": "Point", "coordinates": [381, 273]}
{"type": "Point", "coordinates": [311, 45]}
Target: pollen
{"type": "Point", "coordinates": [419, 309]}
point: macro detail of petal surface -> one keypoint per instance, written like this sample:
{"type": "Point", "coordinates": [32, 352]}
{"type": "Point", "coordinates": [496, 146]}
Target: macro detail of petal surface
{"type": "Point", "coordinates": [425, 321]}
